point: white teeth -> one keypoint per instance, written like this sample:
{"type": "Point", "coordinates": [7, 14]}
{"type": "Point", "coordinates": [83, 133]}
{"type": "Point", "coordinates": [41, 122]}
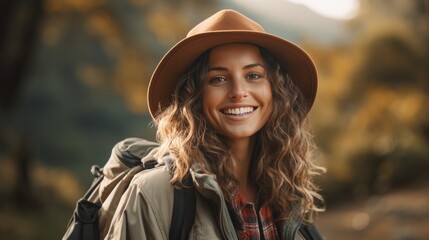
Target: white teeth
{"type": "Point", "coordinates": [238, 111]}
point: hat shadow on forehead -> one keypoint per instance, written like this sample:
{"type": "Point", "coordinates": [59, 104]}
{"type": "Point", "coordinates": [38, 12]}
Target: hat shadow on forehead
{"type": "Point", "coordinates": [228, 26]}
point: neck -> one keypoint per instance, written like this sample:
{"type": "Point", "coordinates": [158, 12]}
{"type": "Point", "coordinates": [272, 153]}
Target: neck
{"type": "Point", "coordinates": [241, 151]}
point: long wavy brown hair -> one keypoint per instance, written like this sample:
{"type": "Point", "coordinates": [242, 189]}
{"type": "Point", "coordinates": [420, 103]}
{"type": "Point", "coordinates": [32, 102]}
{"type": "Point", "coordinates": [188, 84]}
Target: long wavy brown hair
{"type": "Point", "coordinates": [282, 161]}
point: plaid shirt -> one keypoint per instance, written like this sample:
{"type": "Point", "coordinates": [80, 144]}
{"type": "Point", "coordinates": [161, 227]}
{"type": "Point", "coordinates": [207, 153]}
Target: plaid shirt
{"type": "Point", "coordinates": [246, 222]}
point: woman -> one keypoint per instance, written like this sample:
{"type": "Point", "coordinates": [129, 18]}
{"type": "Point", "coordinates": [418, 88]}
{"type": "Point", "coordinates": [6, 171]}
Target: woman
{"type": "Point", "coordinates": [230, 103]}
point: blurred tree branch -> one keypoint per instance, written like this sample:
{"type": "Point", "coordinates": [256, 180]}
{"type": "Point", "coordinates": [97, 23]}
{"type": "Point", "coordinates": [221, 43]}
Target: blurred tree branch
{"type": "Point", "coordinates": [19, 22]}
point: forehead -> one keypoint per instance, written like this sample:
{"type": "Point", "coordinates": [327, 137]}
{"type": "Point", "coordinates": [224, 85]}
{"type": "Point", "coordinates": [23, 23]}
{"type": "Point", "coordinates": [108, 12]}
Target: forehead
{"type": "Point", "coordinates": [234, 52]}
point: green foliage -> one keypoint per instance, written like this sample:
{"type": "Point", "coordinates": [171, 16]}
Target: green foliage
{"type": "Point", "coordinates": [375, 137]}
{"type": "Point", "coordinates": [390, 61]}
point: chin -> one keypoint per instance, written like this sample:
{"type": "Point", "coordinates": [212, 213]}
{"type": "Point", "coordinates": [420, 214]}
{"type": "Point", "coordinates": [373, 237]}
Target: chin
{"type": "Point", "coordinates": [240, 135]}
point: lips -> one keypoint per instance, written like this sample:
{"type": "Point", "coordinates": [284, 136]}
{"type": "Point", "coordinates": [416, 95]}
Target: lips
{"type": "Point", "coordinates": [238, 111]}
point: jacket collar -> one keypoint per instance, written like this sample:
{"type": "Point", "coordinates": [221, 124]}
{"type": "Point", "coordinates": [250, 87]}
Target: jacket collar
{"type": "Point", "coordinates": [208, 187]}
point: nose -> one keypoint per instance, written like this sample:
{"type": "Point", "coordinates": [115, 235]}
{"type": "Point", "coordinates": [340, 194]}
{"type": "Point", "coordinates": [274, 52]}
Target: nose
{"type": "Point", "coordinates": [238, 89]}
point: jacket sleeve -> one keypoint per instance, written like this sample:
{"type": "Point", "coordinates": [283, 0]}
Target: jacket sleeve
{"type": "Point", "coordinates": [144, 211]}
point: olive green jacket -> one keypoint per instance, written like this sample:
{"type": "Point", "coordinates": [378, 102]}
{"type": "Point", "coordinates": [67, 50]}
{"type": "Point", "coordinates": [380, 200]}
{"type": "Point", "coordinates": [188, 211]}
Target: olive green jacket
{"type": "Point", "coordinates": [145, 210]}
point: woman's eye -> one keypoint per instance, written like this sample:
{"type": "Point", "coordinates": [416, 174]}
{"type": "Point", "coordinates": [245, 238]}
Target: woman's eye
{"type": "Point", "coordinates": [217, 80]}
{"type": "Point", "coordinates": [253, 76]}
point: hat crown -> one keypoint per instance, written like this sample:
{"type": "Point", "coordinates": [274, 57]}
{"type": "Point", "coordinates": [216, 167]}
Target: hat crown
{"type": "Point", "coordinates": [226, 20]}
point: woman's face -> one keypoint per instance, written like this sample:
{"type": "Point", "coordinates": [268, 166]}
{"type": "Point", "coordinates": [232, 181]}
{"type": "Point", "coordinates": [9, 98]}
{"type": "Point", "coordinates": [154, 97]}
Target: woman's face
{"type": "Point", "coordinates": [237, 98]}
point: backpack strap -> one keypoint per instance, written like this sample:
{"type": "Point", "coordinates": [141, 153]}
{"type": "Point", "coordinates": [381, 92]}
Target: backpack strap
{"type": "Point", "coordinates": [183, 210]}
{"type": "Point", "coordinates": [97, 173]}
{"type": "Point", "coordinates": [84, 222]}
{"type": "Point", "coordinates": [184, 206]}
{"type": "Point", "coordinates": [310, 232]}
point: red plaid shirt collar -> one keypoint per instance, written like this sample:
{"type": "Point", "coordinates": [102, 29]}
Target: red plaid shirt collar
{"type": "Point", "coordinates": [246, 221]}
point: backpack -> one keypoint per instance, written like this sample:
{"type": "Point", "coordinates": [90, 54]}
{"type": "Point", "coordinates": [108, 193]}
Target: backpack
{"type": "Point", "coordinates": [94, 211]}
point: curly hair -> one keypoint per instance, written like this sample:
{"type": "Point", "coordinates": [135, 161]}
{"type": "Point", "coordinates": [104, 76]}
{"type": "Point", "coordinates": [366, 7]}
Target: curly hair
{"type": "Point", "coordinates": [281, 164]}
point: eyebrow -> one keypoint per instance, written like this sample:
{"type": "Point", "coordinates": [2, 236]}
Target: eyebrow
{"type": "Point", "coordinates": [245, 67]}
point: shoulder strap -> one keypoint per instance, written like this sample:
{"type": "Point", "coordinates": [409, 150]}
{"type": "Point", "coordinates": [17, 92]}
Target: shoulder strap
{"type": "Point", "coordinates": [83, 223]}
{"type": "Point", "coordinates": [310, 232]}
{"type": "Point", "coordinates": [97, 173]}
{"type": "Point", "coordinates": [183, 210]}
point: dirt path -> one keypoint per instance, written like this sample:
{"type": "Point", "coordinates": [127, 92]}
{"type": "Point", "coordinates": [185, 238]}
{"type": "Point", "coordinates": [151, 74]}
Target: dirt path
{"type": "Point", "coordinates": [399, 215]}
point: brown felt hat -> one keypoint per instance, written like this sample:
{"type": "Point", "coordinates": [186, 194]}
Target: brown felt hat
{"type": "Point", "coordinates": [228, 26]}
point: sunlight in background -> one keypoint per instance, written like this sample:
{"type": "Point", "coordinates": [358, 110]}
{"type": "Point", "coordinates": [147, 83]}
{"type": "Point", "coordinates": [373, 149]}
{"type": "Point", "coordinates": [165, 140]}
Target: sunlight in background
{"type": "Point", "coordinates": [339, 9]}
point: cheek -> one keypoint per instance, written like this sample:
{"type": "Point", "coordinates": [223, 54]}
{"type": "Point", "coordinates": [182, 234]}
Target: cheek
{"type": "Point", "coordinates": [267, 97]}
{"type": "Point", "coordinates": [208, 101]}
{"type": "Point", "coordinates": [269, 108]}
{"type": "Point", "coordinates": [266, 93]}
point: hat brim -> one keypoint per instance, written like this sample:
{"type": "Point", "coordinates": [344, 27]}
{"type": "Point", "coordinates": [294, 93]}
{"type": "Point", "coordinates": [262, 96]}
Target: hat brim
{"type": "Point", "coordinates": [178, 59]}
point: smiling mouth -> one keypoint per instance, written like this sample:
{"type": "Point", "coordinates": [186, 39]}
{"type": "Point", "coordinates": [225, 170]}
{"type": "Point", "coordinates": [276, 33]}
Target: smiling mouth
{"type": "Point", "coordinates": [238, 111]}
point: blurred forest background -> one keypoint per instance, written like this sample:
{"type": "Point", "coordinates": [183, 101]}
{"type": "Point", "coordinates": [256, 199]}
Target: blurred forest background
{"type": "Point", "coordinates": [73, 79]}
